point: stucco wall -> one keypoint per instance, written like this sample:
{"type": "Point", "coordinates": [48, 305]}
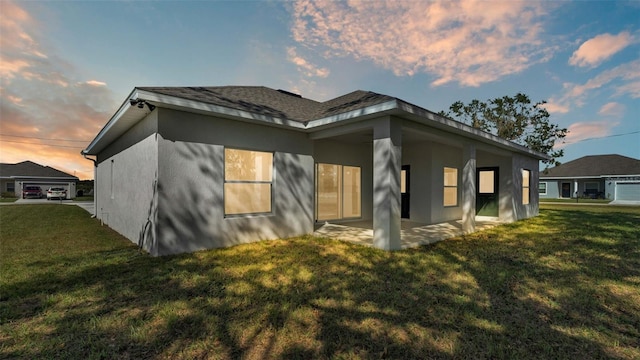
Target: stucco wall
{"type": "Point", "coordinates": [505, 183]}
{"type": "Point", "coordinates": [553, 189]}
{"type": "Point", "coordinates": [126, 175]}
{"type": "Point", "coordinates": [191, 183]}
{"type": "Point", "coordinates": [421, 188]}
{"type": "Point", "coordinates": [340, 153]}
{"type": "Point", "coordinates": [520, 210]}
{"type": "Point", "coordinates": [427, 161]}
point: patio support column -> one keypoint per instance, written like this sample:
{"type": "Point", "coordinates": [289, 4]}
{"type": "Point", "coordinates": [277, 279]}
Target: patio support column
{"type": "Point", "coordinates": [387, 159]}
{"type": "Point", "coordinates": [469, 189]}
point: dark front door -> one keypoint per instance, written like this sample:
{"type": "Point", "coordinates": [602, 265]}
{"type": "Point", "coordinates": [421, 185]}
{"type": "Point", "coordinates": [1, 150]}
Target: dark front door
{"type": "Point", "coordinates": [487, 200]}
{"type": "Point", "coordinates": [404, 191]}
{"type": "Point", "coordinates": [566, 190]}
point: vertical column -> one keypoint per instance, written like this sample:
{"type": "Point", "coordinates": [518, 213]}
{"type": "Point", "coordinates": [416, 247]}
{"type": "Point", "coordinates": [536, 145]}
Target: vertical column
{"type": "Point", "coordinates": [469, 189]}
{"type": "Point", "coordinates": [575, 188]}
{"type": "Point", "coordinates": [387, 158]}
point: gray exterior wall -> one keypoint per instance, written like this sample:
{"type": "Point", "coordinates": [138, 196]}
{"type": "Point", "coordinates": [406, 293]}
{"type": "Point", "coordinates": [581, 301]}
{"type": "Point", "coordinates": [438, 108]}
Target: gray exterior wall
{"type": "Point", "coordinates": [554, 187]}
{"type": "Point", "coordinates": [126, 173]}
{"type": "Point", "coordinates": [520, 210]}
{"type": "Point", "coordinates": [427, 161]}
{"type": "Point", "coordinates": [161, 184]}
{"type": "Point", "coordinates": [334, 152]}
{"type": "Point", "coordinates": [191, 183]}
{"type": "Point", "coordinates": [487, 158]}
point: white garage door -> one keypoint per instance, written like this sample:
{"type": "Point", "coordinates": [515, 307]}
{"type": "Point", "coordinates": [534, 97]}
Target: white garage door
{"type": "Point", "coordinates": [628, 191]}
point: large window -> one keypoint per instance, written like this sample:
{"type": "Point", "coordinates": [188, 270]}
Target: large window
{"type": "Point", "coordinates": [450, 187]}
{"type": "Point", "coordinates": [591, 187]}
{"type": "Point", "coordinates": [526, 181]}
{"type": "Point", "coordinates": [542, 188]}
{"type": "Point", "coordinates": [248, 177]}
{"type": "Point", "coordinates": [338, 192]}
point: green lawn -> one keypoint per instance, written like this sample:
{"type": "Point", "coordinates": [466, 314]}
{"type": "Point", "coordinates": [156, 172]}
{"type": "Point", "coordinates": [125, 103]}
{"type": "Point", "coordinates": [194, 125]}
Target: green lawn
{"type": "Point", "coordinates": [579, 201]}
{"type": "Point", "coordinates": [564, 285]}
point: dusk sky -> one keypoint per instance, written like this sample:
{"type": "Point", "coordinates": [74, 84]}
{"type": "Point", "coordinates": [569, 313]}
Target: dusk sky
{"type": "Point", "coordinates": [66, 67]}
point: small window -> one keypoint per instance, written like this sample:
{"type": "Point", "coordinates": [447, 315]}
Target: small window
{"type": "Point", "coordinates": [11, 186]}
{"type": "Point", "coordinates": [450, 187]}
{"type": "Point", "coordinates": [526, 180]}
{"type": "Point", "coordinates": [248, 177]}
{"type": "Point", "coordinates": [542, 188]}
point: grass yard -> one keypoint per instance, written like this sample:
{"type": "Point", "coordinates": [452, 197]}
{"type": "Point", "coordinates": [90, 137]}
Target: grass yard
{"type": "Point", "coordinates": [563, 285]}
{"type": "Point", "coordinates": [578, 201]}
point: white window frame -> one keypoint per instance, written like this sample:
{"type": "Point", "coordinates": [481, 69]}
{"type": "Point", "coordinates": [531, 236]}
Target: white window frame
{"type": "Point", "coordinates": [341, 197]}
{"type": "Point", "coordinates": [228, 181]}
{"type": "Point", "coordinates": [526, 200]}
{"type": "Point", "coordinates": [445, 186]}
{"type": "Point", "coordinates": [545, 188]}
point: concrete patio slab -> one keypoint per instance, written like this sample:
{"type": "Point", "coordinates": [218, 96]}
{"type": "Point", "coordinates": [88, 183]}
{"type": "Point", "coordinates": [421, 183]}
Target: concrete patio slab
{"type": "Point", "coordinates": [412, 234]}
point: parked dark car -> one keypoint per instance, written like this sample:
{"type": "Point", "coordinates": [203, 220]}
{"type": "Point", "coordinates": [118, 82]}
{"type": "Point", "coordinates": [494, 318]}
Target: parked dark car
{"type": "Point", "coordinates": [32, 192]}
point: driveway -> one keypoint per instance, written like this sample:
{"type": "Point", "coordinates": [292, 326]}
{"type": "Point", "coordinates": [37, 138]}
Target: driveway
{"type": "Point", "coordinates": [86, 205]}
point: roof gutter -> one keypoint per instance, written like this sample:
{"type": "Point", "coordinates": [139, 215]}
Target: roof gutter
{"type": "Point", "coordinates": [138, 98]}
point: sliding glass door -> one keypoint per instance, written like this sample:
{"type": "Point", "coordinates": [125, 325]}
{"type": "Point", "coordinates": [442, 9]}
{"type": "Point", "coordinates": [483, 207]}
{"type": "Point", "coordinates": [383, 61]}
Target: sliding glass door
{"type": "Point", "coordinates": [338, 192]}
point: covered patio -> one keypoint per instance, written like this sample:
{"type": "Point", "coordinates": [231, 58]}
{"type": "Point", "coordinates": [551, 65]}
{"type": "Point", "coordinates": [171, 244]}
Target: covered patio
{"type": "Point", "coordinates": [412, 234]}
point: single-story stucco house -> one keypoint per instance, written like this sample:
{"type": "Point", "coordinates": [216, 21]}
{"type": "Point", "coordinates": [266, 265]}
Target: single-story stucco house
{"type": "Point", "coordinates": [614, 177]}
{"type": "Point", "coordinates": [179, 169]}
{"type": "Point", "coordinates": [14, 178]}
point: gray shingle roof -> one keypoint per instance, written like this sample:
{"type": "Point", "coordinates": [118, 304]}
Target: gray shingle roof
{"type": "Point", "coordinates": [596, 165]}
{"type": "Point", "coordinates": [276, 103]}
{"type": "Point", "coordinates": [31, 169]}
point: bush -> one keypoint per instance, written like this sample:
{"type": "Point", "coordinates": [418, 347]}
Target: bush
{"type": "Point", "coordinates": [7, 195]}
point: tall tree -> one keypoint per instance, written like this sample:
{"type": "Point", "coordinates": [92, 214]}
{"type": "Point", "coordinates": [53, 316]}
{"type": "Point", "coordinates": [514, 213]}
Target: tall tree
{"type": "Point", "coordinates": [515, 119]}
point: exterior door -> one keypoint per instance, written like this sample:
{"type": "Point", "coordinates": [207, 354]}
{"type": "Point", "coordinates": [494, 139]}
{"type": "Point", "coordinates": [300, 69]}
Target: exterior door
{"type": "Point", "coordinates": [487, 200]}
{"type": "Point", "coordinates": [566, 190]}
{"type": "Point", "coordinates": [404, 191]}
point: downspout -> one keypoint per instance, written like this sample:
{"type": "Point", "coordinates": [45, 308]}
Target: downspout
{"type": "Point", "coordinates": [95, 183]}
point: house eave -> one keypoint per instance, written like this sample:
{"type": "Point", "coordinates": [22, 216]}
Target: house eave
{"type": "Point", "coordinates": [585, 177]}
{"type": "Point", "coordinates": [432, 119]}
{"type": "Point", "coordinates": [128, 115]}
{"type": "Point", "coordinates": [20, 177]}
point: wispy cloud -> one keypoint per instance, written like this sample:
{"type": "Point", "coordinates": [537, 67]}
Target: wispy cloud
{"type": "Point", "coordinates": [612, 109]}
{"type": "Point", "coordinates": [600, 48]}
{"type": "Point", "coordinates": [43, 100]}
{"type": "Point", "coordinates": [580, 131]}
{"type": "Point", "coordinates": [554, 107]}
{"type": "Point", "coordinates": [466, 41]}
{"type": "Point", "coordinates": [304, 66]}
{"type": "Point", "coordinates": [622, 80]}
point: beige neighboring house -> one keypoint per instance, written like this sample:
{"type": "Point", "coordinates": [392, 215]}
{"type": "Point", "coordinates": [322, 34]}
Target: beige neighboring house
{"type": "Point", "coordinates": [14, 177]}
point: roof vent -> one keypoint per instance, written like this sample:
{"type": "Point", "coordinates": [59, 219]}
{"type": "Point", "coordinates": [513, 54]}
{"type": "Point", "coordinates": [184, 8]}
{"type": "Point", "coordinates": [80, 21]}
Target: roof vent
{"type": "Point", "coordinates": [289, 93]}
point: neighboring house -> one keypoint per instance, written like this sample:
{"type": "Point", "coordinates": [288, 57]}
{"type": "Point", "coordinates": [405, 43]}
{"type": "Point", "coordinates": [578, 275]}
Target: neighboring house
{"type": "Point", "coordinates": [180, 169]}
{"type": "Point", "coordinates": [14, 177]}
{"type": "Point", "coordinates": [614, 177]}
